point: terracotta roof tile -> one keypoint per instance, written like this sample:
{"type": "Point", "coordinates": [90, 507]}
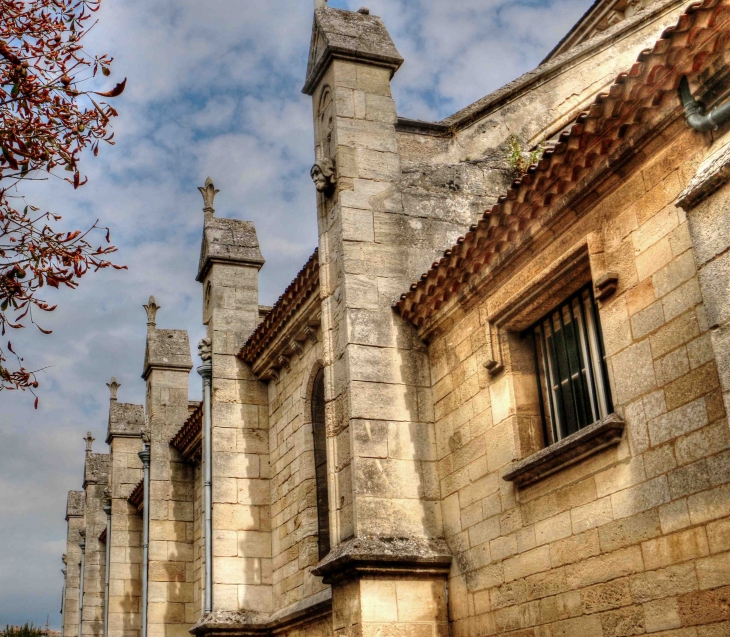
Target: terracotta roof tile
{"type": "Point", "coordinates": [701, 33]}
{"type": "Point", "coordinates": [136, 498]}
{"type": "Point", "coordinates": [188, 439]}
{"type": "Point", "coordinates": [299, 290]}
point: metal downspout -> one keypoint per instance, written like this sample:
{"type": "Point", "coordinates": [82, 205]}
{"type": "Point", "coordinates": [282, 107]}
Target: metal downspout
{"type": "Point", "coordinates": [108, 510]}
{"type": "Point", "coordinates": [82, 545]}
{"type": "Point", "coordinates": [63, 603]}
{"type": "Point", "coordinates": [144, 456]}
{"type": "Point", "coordinates": [695, 112]}
{"type": "Point", "coordinates": [206, 372]}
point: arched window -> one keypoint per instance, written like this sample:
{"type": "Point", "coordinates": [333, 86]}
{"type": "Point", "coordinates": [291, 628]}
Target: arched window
{"type": "Point", "coordinates": [320, 463]}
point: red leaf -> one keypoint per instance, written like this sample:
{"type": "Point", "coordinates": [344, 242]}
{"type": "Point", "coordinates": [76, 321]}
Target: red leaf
{"type": "Point", "coordinates": [116, 91]}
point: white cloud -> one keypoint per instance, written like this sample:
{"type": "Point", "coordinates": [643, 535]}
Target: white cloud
{"type": "Point", "coordinates": [214, 88]}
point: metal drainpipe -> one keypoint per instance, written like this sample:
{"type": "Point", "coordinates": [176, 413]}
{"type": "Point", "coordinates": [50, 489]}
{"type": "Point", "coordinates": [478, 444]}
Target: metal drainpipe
{"type": "Point", "coordinates": [206, 372]}
{"type": "Point", "coordinates": [108, 510]}
{"type": "Point", "coordinates": [63, 602]}
{"type": "Point", "coordinates": [144, 456]}
{"type": "Point", "coordinates": [695, 112]}
{"type": "Point", "coordinates": [82, 545]}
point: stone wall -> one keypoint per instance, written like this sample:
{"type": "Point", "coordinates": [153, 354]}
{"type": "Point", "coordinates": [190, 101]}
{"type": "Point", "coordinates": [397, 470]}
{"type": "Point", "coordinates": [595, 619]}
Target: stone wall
{"type": "Point", "coordinates": [294, 548]}
{"type": "Point", "coordinates": [632, 539]}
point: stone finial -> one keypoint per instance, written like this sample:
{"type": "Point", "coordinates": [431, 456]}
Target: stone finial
{"type": "Point", "coordinates": [113, 387]}
{"type": "Point", "coordinates": [151, 309]}
{"type": "Point", "coordinates": [205, 349]}
{"type": "Point", "coordinates": [209, 192]}
{"type": "Point", "coordinates": [89, 440]}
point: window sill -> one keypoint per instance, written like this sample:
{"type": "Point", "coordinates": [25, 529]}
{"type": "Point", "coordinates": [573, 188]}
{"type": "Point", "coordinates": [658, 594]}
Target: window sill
{"type": "Point", "coordinates": [576, 447]}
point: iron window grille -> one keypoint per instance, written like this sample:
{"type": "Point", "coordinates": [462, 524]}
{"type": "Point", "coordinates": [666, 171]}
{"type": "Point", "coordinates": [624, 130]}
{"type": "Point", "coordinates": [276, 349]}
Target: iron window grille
{"type": "Point", "coordinates": [571, 367]}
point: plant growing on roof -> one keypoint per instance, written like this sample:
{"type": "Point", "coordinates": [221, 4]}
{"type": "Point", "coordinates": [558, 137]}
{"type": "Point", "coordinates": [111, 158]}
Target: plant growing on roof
{"type": "Point", "coordinates": [520, 161]}
{"type": "Point", "coordinates": [47, 118]}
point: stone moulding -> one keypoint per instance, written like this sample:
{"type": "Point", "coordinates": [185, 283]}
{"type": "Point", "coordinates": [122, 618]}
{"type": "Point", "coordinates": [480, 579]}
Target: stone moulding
{"type": "Point", "coordinates": [189, 438]}
{"type": "Point", "coordinates": [372, 556]}
{"type": "Point", "coordinates": [710, 177]}
{"type": "Point", "coordinates": [243, 623]}
{"type": "Point", "coordinates": [568, 451]}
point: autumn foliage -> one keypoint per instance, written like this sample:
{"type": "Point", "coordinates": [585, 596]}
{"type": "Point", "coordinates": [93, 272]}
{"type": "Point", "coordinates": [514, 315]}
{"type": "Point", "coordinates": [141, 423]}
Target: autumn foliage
{"type": "Point", "coordinates": [47, 118]}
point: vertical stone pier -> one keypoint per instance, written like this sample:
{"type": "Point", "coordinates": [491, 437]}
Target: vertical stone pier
{"type": "Point", "coordinates": [384, 495]}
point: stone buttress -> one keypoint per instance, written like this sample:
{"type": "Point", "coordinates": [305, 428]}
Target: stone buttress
{"type": "Point", "coordinates": [171, 574]}
{"type": "Point", "coordinates": [384, 499]}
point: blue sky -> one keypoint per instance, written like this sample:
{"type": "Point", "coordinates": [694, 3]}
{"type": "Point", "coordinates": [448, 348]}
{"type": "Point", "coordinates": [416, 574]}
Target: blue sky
{"type": "Point", "coordinates": [214, 89]}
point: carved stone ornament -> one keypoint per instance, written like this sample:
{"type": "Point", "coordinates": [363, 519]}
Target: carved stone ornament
{"type": "Point", "coordinates": [146, 435]}
{"type": "Point", "coordinates": [107, 493]}
{"type": "Point", "coordinates": [151, 309]}
{"type": "Point", "coordinates": [297, 348]}
{"type": "Point", "coordinates": [311, 333]}
{"type": "Point", "coordinates": [63, 558]}
{"type": "Point", "coordinates": [205, 349]}
{"type": "Point", "coordinates": [283, 362]}
{"type": "Point", "coordinates": [209, 192]}
{"type": "Point", "coordinates": [89, 439]}
{"type": "Point", "coordinates": [113, 387]}
{"type": "Point", "coordinates": [323, 175]}
{"type": "Point", "coordinates": [606, 285]}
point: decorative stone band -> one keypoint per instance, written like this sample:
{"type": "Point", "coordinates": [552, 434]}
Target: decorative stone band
{"type": "Point", "coordinates": [189, 439]}
{"type": "Point", "coordinates": [222, 623]}
{"type": "Point", "coordinates": [567, 451]}
{"type": "Point", "coordinates": [372, 556]}
{"type": "Point", "coordinates": [136, 498]}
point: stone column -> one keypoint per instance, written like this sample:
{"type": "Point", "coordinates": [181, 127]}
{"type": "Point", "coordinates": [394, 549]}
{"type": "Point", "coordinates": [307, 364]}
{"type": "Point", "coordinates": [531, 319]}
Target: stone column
{"type": "Point", "coordinates": [381, 450]}
{"type": "Point", "coordinates": [171, 573]}
{"type": "Point", "coordinates": [75, 523]}
{"type": "Point", "coordinates": [229, 266]}
{"type": "Point", "coordinates": [124, 439]}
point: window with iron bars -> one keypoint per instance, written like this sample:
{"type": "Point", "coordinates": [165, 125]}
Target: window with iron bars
{"type": "Point", "coordinates": [571, 367]}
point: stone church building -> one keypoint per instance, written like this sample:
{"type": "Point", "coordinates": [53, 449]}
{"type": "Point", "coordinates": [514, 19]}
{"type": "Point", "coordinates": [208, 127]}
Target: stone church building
{"type": "Point", "coordinates": [493, 402]}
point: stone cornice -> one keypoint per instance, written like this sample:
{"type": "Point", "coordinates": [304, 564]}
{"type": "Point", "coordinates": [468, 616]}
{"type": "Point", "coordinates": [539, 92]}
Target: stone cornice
{"type": "Point", "coordinates": [710, 177]}
{"type": "Point", "coordinates": [249, 623]}
{"type": "Point", "coordinates": [373, 556]}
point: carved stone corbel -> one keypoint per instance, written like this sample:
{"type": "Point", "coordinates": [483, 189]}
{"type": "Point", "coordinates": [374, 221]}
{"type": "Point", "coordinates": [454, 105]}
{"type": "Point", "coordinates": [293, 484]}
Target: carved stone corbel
{"type": "Point", "coordinates": [283, 362]}
{"type": "Point", "coordinates": [297, 348]}
{"type": "Point", "coordinates": [311, 333]}
{"type": "Point", "coordinates": [495, 364]}
{"type": "Point", "coordinates": [606, 285]}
